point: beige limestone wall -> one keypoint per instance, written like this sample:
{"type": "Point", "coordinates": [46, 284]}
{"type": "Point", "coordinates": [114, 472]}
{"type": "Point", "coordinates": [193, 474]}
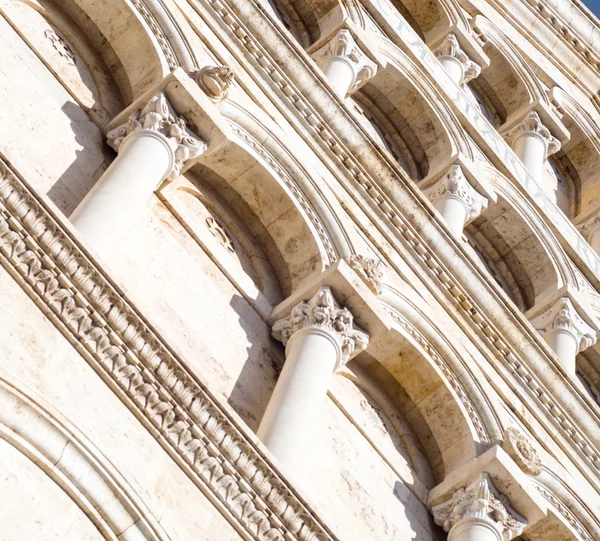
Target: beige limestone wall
{"type": "Point", "coordinates": [46, 365]}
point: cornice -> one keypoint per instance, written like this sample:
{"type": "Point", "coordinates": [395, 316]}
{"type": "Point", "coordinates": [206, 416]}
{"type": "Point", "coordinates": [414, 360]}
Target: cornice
{"type": "Point", "coordinates": [533, 377]}
{"type": "Point", "coordinates": [226, 463]}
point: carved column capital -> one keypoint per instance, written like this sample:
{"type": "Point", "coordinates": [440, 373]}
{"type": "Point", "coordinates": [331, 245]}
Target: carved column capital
{"type": "Point", "coordinates": [454, 184]}
{"type": "Point", "coordinates": [532, 125]}
{"type": "Point", "coordinates": [521, 450]}
{"type": "Point", "coordinates": [562, 317]}
{"type": "Point", "coordinates": [369, 269]}
{"type": "Point", "coordinates": [343, 48]}
{"type": "Point", "coordinates": [589, 228]}
{"type": "Point", "coordinates": [157, 117]}
{"type": "Point", "coordinates": [450, 48]}
{"type": "Point", "coordinates": [479, 501]}
{"type": "Point", "coordinates": [324, 313]}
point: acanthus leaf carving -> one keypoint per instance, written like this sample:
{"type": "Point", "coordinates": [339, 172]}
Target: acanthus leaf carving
{"type": "Point", "coordinates": [532, 125]}
{"type": "Point", "coordinates": [215, 81]}
{"type": "Point", "coordinates": [481, 501]}
{"type": "Point", "coordinates": [451, 48]}
{"type": "Point", "coordinates": [157, 116]}
{"type": "Point", "coordinates": [323, 312]}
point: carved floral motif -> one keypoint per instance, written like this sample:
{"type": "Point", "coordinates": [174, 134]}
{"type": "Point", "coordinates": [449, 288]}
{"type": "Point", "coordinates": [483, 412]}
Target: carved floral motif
{"type": "Point", "coordinates": [451, 48]}
{"type": "Point", "coordinates": [157, 116]}
{"type": "Point", "coordinates": [455, 184]}
{"type": "Point", "coordinates": [532, 124]}
{"type": "Point", "coordinates": [369, 269]}
{"type": "Point", "coordinates": [323, 312]}
{"type": "Point", "coordinates": [215, 81]}
{"type": "Point", "coordinates": [477, 501]}
{"type": "Point", "coordinates": [522, 451]}
{"type": "Point", "coordinates": [343, 48]}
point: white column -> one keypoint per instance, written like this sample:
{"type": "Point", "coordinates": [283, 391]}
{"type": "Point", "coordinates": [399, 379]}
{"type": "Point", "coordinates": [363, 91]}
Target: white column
{"type": "Point", "coordinates": [533, 143]}
{"type": "Point", "coordinates": [456, 200]}
{"type": "Point", "coordinates": [591, 232]}
{"type": "Point", "coordinates": [344, 65]}
{"type": "Point", "coordinates": [459, 67]}
{"type": "Point", "coordinates": [319, 337]}
{"type": "Point", "coordinates": [474, 513]}
{"type": "Point", "coordinates": [565, 332]}
{"type": "Point", "coordinates": [152, 145]}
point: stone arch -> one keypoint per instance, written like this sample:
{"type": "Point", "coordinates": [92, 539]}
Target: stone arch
{"type": "Point", "coordinates": [288, 213]}
{"type": "Point", "coordinates": [451, 416]}
{"type": "Point", "coordinates": [580, 156]}
{"type": "Point", "coordinates": [73, 463]}
{"type": "Point", "coordinates": [113, 31]}
{"type": "Point", "coordinates": [509, 84]}
{"type": "Point", "coordinates": [520, 244]}
{"type": "Point", "coordinates": [430, 131]}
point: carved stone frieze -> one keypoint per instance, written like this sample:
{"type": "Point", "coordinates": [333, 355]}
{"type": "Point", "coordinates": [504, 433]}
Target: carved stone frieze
{"type": "Point", "coordinates": [522, 451]}
{"type": "Point", "coordinates": [215, 81]}
{"type": "Point", "coordinates": [563, 316]}
{"type": "Point", "coordinates": [145, 374]}
{"type": "Point", "coordinates": [455, 184]}
{"type": "Point", "coordinates": [532, 125]}
{"type": "Point", "coordinates": [479, 501]}
{"type": "Point", "coordinates": [323, 312]}
{"type": "Point", "coordinates": [343, 48]}
{"type": "Point", "coordinates": [370, 270]}
{"type": "Point", "coordinates": [451, 48]}
{"type": "Point", "coordinates": [157, 116]}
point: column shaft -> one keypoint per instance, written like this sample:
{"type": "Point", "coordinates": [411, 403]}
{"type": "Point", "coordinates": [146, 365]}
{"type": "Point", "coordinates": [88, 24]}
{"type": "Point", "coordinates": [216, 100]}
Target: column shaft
{"type": "Point", "coordinates": [475, 529]}
{"type": "Point", "coordinates": [119, 197]}
{"type": "Point", "coordinates": [530, 148]}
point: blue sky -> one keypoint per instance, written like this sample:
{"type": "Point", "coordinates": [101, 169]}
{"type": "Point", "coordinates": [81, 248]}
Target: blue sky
{"type": "Point", "coordinates": [594, 6]}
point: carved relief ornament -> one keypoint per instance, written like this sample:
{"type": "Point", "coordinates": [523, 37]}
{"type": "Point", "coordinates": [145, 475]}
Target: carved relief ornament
{"type": "Point", "coordinates": [562, 316]}
{"type": "Point", "coordinates": [477, 501]}
{"type": "Point", "coordinates": [532, 125]}
{"type": "Point", "coordinates": [157, 116]}
{"type": "Point", "coordinates": [455, 184]}
{"type": "Point", "coordinates": [215, 81]}
{"type": "Point", "coordinates": [451, 48]}
{"type": "Point", "coordinates": [323, 312]}
{"type": "Point", "coordinates": [369, 269]}
{"type": "Point", "coordinates": [344, 49]}
{"type": "Point", "coordinates": [522, 451]}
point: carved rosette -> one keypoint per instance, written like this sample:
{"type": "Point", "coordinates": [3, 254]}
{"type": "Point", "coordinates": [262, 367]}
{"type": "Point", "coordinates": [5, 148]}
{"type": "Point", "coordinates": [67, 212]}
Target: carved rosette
{"type": "Point", "coordinates": [522, 451]}
{"type": "Point", "coordinates": [343, 48]}
{"type": "Point", "coordinates": [532, 125]}
{"type": "Point", "coordinates": [323, 312]}
{"type": "Point", "coordinates": [479, 501]}
{"type": "Point", "coordinates": [370, 270]}
{"type": "Point", "coordinates": [563, 316]}
{"type": "Point", "coordinates": [451, 48]}
{"type": "Point", "coordinates": [158, 117]}
{"type": "Point", "coordinates": [215, 81]}
{"type": "Point", "coordinates": [455, 184]}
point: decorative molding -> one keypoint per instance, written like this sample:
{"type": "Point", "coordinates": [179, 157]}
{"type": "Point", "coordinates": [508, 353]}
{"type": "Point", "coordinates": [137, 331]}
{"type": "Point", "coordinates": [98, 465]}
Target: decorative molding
{"type": "Point", "coordinates": [451, 48]}
{"type": "Point", "coordinates": [589, 228]}
{"type": "Point", "coordinates": [522, 451]}
{"type": "Point", "coordinates": [215, 81]}
{"type": "Point", "coordinates": [532, 125]}
{"type": "Point", "coordinates": [455, 184]}
{"type": "Point", "coordinates": [420, 250]}
{"type": "Point", "coordinates": [158, 116]}
{"type": "Point", "coordinates": [477, 501]}
{"type": "Point", "coordinates": [323, 312]}
{"type": "Point", "coordinates": [343, 48]}
{"type": "Point", "coordinates": [148, 377]}
{"type": "Point", "coordinates": [369, 269]}
{"type": "Point", "coordinates": [220, 233]}
{"type": "Point", "coordinates": [562, 316]}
